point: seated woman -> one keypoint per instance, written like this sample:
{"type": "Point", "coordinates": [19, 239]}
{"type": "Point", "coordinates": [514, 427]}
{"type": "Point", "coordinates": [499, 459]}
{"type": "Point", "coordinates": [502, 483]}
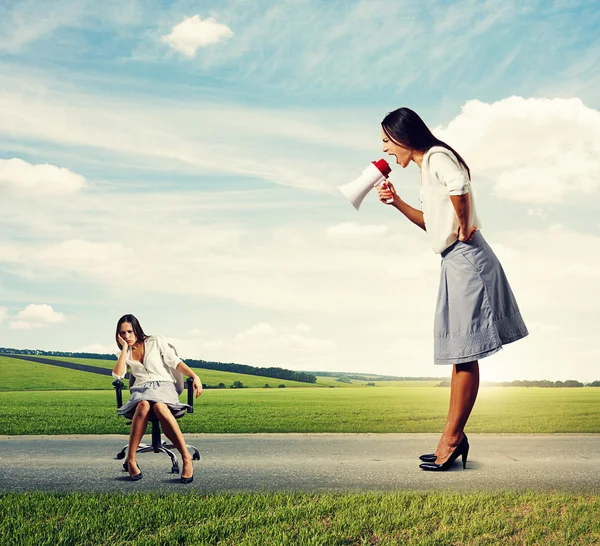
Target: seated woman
{"type": "Point", "coordinates": [151, 360]}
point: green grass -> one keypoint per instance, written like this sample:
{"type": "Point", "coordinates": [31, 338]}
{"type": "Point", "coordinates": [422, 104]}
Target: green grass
{"type": "Point", "coordinates": [299, 519]}
{"type": "Point", "coordinates": [21, 375]}
{"type": "Point", "coordinates": [384, 409]}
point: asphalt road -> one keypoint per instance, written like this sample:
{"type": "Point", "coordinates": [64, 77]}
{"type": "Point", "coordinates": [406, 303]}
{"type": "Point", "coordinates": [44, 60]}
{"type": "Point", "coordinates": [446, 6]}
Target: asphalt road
{"type": "Point", "coordinates": [304, 462]}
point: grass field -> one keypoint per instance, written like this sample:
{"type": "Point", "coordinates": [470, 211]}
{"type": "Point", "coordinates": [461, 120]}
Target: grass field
{"type": "Point", "coordinates": [385, 409]}
{"type": "Point", "coordinates": [20, 375]}
{"type": "Point", "coordinates": [404, 518]}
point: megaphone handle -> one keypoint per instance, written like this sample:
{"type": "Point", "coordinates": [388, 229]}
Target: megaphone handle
{"type": "Point", "coordinates": [387, 201]}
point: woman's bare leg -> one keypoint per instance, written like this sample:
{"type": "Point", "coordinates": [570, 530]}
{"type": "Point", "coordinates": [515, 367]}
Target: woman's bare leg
{"type": "Point", "coordinates": [172, 431]}
{"type": "Point", "coordinates": [463, 393]}
{"type": "Point", "coordinates": [139, 424]}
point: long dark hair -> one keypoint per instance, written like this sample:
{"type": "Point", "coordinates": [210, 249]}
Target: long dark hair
{"type": "Point", "coordinates": [405, 128]}
{"type": "Point", "coordinates": [135, 324]}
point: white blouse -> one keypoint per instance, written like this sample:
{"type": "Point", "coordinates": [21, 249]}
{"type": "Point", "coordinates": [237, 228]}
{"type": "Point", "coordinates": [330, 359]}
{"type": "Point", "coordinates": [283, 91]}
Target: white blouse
{"type": "Point", "coordinates": [442, 176]}
{"type": "Point", "coordinates": [160, 361]}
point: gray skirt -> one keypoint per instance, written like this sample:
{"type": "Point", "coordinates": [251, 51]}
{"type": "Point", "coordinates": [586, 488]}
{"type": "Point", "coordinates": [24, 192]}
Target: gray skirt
{"type": "Point", "coordinates": [476, 311]}
{"type": "Point", "coordinates": [153, 391]}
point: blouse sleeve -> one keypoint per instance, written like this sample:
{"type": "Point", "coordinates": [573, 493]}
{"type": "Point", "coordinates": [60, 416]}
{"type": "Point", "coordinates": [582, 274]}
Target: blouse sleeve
{"type": "Point", "coordinates": [449, 173]}
{"type": "Point", "coordinates": [169, 356]}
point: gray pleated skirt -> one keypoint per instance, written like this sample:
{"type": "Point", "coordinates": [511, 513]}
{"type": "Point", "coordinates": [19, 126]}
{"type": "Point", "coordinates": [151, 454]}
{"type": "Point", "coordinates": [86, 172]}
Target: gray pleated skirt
{"type": "Point", "coordinates": [476, 312]}
{"type": "Point", "coordinates": [153, 391]}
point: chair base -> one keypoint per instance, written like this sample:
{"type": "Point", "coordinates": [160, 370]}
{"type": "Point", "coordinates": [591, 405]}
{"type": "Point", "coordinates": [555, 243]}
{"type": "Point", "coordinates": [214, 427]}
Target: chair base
{"type": "Point", "coordinates": [159, 446]}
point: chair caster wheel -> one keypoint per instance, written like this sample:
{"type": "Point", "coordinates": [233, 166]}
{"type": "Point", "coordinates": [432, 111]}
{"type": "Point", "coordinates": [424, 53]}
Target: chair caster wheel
{"type": "Point", "coordinates": [196, 457]}
{"type": "Point", "coordinates": [120, 455]}
{"type": "Point", "coordinates": [175, 470]}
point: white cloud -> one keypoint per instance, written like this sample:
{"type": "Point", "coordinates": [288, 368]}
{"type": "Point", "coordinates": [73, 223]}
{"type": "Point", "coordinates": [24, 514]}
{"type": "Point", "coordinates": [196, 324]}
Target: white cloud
{"type": "Point", "coordinates": [258, 331]}
{"type": "Point", "coordinates": [3, 314]}
{"type": "Point", "coordinates": [539, 212]}
{"type": "Point", "coordinates": [535, 150]}
{"type": "Point", "coordinates": [193, 33]}
{"type": "Point", "coordinates": [265, 335]}
{"type": "Point", "coordinates": [20, 325]}
{"type": "Point", "coordinates": [38, 180]}
{"type": "Point", "coordinates": [86, 257]}
{"type": "Point", "coordinates": [37, 316]}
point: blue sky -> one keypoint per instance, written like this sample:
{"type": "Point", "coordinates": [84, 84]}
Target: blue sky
{"type": "Point", "coordinates": [179, 161]}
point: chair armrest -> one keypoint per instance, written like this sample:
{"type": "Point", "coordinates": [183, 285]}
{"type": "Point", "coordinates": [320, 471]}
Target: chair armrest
{"type": "Point", "coordinates": [190, 388]}
{"type": "Point", "coordinates": [118, 385]}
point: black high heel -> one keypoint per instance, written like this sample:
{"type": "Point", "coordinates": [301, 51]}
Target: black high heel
{"type": "Point", "coordinates": [137, 476]}
{"type": "Point", "coordinates": [187, 480]}
{"type": "Point", "coordinates": [461, 449]}
{"type": "Point", "coordinates": [431, 457]}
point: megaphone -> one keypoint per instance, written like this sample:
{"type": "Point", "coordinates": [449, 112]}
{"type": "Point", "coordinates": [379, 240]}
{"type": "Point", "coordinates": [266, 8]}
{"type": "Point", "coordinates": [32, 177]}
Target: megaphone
{"type": "Point", "coordinates": [372, 176]}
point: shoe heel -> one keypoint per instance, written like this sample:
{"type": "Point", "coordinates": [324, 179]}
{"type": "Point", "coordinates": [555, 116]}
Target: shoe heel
{"type": "Point", "coordinates": [465, 454]}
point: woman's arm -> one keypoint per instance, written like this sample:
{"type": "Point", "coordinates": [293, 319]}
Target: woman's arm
{"type": "Point", "coordinates": [185, 369]}
{"type": "Point", "coordinates": [387, 191]}
{"type": "Point", "coordinates": [462, 206]}
{"type": "Point", "coordinates": [121, 365]}
{"type": "Point", "coordinates": [414, 215]}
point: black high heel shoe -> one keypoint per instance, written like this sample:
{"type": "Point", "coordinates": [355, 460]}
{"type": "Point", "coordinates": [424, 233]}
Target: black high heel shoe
{"type": "Point", "coordinates": [461, 449]}
{"type": "Point", "coordinates": [430, 457]}
{"type": "Point", "coordinates": [187, 480]}
{"type": "Point", "coordinates": [137, 476]}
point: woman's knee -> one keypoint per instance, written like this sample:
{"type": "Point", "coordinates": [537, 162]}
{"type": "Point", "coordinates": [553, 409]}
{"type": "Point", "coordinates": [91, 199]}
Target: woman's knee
{"type": "Point", "coordinates": [143, 407]}
{"type": "Point", "coordinates": [161, 409]}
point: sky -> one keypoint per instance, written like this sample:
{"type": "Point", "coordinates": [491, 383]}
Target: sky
{"type": "Point", "coordinates": [180, 161]}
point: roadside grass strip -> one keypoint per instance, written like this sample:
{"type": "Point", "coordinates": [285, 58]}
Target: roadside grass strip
{"type": "Point", "coordinates": [402, 518]}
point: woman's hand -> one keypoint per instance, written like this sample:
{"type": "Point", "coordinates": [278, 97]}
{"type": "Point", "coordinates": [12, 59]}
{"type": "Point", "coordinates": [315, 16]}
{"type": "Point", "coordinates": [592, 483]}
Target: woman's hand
{"type": "Point", "coordinates": [122, 342]}
{"type": "Point", "coordinates": [466, 237]}
{"type": "Point", "coordinates": [387, 192]}
{"type": "Point", "coordinates": [197, 385]}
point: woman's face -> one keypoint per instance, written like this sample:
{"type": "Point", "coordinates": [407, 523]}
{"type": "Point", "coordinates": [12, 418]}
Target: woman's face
{"type": "Point", "coordinates": [127, 333]}
{"type": "Point", "coordinates": [403, 155]}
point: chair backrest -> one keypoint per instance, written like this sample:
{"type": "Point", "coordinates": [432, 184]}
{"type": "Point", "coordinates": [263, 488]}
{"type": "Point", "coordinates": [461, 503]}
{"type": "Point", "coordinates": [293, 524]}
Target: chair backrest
{"type": "Point", "coordinates": [178, 378]}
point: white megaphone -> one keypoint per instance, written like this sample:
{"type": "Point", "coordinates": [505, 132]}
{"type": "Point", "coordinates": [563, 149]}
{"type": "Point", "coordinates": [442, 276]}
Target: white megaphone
{"type": "Point", "coordinates": [372, 176]}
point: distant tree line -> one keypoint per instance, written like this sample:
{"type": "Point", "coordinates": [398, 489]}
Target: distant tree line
{"type": "Point", "coordinates": [524, 383]}
{"type": "Point", "coordinates": [275, 373]}
{"type": "Point", "coordinates": [96, 356]}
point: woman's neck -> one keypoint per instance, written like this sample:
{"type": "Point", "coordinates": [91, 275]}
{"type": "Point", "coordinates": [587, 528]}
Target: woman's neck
{"type": "Point", "coordinates": [418, 158]}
